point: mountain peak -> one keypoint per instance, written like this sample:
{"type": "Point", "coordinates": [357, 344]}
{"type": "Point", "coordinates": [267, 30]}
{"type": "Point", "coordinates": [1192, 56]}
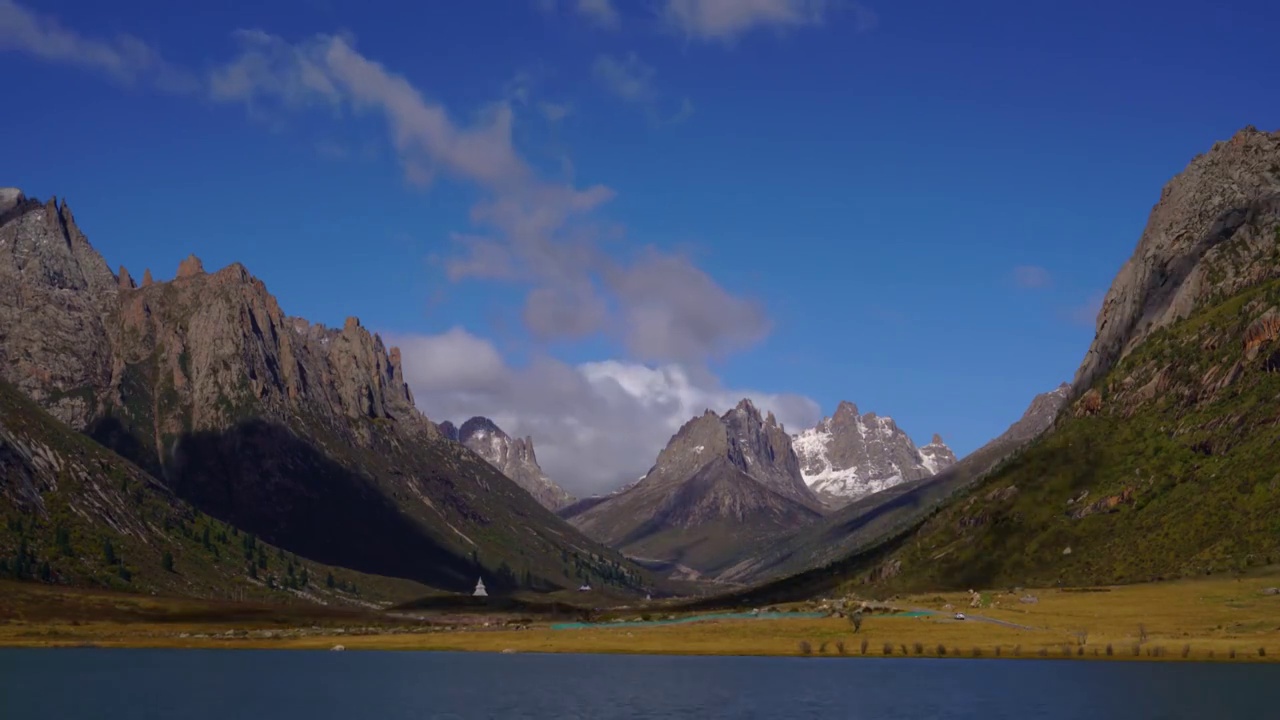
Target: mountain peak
{"type": "Point", "coordinates": [849, 455]}
{"type": "Point", "coordinates": [190, 267]}
{"type": "Point", "coordinates": [513, 457]}
{"type": "Point", "coordinates": [478, 426]}
{"type": "Point", "coordinates": [936, 440]}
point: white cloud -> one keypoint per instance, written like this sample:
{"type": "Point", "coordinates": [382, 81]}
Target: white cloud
{"type": "Point", "coordinates": [596, 425]}
{"type": "Point", "coordinates": [1031, 276]}
{"type": "Point", "coordinates": [124, 58]}
{"type": "Point", "coordinates": [600, 12]}
{"type": "Point", "coordinates": [727, 19]}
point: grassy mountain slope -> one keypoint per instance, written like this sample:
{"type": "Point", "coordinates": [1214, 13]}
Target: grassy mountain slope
{"type": "Point", "coordinates": [72, 512]}
{"type": "Point", "coordinates": [1168, 467]}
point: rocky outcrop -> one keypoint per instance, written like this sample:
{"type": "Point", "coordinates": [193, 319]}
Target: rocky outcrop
{"type": "Point", "coordinates": [723, 485]}
{"type": "Point", "coordinates": [59, 296]}
{"type": "Point", "coordinates": [514, 457]}
{"type": "Point", "coordinates": [1265, 329]}
{"type": "Point", "coordinates": [448, 430]}
{"type": "Point", "coordinates": [1211, 234]}
{"type": "Point", "coordinates": [848, 455]}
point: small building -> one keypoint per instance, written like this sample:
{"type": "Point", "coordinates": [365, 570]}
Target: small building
{"type": "Point", "coordinates": [584, 588]}
{"type": "Point", "coordinates": [480, 591]}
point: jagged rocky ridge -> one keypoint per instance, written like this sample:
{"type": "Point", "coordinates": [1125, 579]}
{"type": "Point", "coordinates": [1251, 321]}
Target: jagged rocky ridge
{"type": "Point", "coordinates": [864, 523]}
{"type": "Point", "coordinates": [722, 485]}
{"type": "Point", "coordinates": [303, 434]}
{"type": "Point", "coordinates": [514, 457]}
{"type": "Point", "coordinates": [847, 455]}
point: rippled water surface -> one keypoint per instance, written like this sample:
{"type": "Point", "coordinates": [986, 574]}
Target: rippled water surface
{"type": "Point", "coordinates": [105, 684]}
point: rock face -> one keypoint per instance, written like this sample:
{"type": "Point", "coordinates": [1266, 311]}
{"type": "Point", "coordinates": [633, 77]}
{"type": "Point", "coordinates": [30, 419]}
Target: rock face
{"type": "Point", "coordinates": [59, 296]}
{"type": "Point", "coordinates": [1038, 418]}
{"type": "Point", "coordinates": [514, 457]}
{"type": "Point", "coordinates": [305, 435]}
{"type": "Point", "coordinates": [847, 455]}
{"type": "Point", "coordinates": [1211, 235]}
{"type": "Point", "coordinates": [722, 485]}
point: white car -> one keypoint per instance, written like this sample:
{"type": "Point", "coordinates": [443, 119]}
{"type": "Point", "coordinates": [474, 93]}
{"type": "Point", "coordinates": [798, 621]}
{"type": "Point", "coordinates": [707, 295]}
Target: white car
{"type": "Point", "coordinates": [959, 616]}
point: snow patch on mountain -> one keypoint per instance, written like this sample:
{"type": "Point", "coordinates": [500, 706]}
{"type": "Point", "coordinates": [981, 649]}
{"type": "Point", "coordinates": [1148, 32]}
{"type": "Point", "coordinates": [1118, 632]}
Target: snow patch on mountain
{"type": "Point", "coordinates": [848, 456]}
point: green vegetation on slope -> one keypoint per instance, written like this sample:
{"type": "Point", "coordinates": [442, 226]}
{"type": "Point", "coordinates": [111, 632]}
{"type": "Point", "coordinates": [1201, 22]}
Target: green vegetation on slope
{"type": "Point", "coordinates": [73, 513]}
{"type": "Point", "coordinates": [1166, 468]}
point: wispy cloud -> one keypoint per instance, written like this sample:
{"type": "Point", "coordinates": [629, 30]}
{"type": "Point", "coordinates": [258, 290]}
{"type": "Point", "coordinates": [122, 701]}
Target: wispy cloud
{"type": "Point", "coordinates": [124, 58]}
{"type": "Point", "coordinates": [631, 80]}
{"type": "Point", "coordinates": [530, 230]}
{"type": "Point", "coordinates": [600, 12]}
{"type": "Point", "coordinates": [554, 112]}
{"type": "Point", "coordinates": [1031, 277]}
{"type": "Point", "coordinates": [628, 78]}
{"type": "Point", "coordinates": [1086, 313]}
{"type": "Point", "coordinates": [724, 20]}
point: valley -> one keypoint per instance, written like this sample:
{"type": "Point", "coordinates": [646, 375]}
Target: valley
{"type": "Point", "coordinates": [185, 439]}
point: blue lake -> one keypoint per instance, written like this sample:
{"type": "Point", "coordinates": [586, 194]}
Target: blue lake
{"type": "Point", "coordinates": [207, 684]}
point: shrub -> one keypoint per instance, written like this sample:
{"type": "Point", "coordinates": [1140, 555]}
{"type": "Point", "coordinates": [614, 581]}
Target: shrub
{"type": "Point", "coordinates": [942, 650]}
{"type": "Point", "coordinates": [1262, 652]}
{"type": "Point", "coordinates": [1044, 652]}
{"type": "Point", "coordinates": [919, 648]}
{"type": "Point", "coordinates": [1142, 633]}
{"type": "Point", "coordinates": [805, 647]}
{"type": "Point", "coordinates": [1231, 653]}
{"type": "Point", "coordinates": [1137, 650]}
{"type": "Point", "coordinates": [1186, 650]}
{"type": "Point", "coordinates": [1017, 650]}
{"type": "Point", "coordinates": [840, 646]}
{"type": "Point", "coordinates": [863, 647]}
{"type": "Point", "coordinates": [888, 648]}
{"type": "Point", "coordinates": [977, 652]}
{"type": "Point", "coordinates": [1079, 651]}
{"type": "Point", "coordinates": [1109, 651]}
{"type": "Point", "coordinates": [903, 648]}
{"type": "Point", "coordinates": [822, 649]}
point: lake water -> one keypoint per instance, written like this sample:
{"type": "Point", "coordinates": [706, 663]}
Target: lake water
{"type": "Point", "coordinates": [289, 685]}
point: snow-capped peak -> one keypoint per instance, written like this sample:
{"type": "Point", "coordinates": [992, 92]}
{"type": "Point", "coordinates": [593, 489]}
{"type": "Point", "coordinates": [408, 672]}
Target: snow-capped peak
{"type": "Point", "coordinates": [847, 455]}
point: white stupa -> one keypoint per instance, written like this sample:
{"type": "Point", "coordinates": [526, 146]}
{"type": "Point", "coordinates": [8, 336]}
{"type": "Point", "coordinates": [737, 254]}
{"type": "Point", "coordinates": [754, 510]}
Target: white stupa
{"type": "Point", "coordinates": [480, 592]}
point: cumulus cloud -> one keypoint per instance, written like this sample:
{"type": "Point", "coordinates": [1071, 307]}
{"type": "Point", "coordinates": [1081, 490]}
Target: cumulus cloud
{"type": "Point", "coordinates": [725, 20]}
{"type": "Point", "coordinates": [1031, 276]}
{"type": "Point", "coordinates": [596, 425]}
{"type": "Point", "coordinates": [124, 58]}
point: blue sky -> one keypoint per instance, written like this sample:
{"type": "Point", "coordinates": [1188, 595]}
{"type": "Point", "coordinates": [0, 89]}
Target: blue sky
{"type": "Point", "coordinates": [915, 206]}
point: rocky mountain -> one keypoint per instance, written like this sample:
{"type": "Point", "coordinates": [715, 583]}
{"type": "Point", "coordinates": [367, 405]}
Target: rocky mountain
{"type": "Point", "coordinates": [810, 551]}
{"type": "Point", "coordinates": [722, 485]}
{"type": "Point", "coordinates": [1164, 463]}
{"type": "Point", "coordinates": [304, 435]}
{"type": "Point", "coordinates": [847, 455]}
{"type": "Point", "coordinates": [514, 457]}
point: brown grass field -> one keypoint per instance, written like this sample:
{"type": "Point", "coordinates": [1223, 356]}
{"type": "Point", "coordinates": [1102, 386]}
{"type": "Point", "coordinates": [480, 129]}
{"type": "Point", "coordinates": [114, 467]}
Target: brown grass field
{"type": "Point", "coordinates": [1220, 619]}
